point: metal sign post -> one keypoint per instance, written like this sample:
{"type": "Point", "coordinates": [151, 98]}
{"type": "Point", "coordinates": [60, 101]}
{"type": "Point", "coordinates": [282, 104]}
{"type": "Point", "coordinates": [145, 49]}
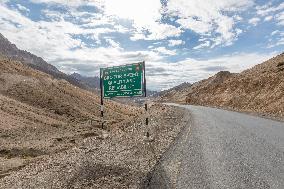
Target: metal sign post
{"type": "Point", "coordinates": [146, 105]}
{"type": "Point", "coordinates": [102, 99]}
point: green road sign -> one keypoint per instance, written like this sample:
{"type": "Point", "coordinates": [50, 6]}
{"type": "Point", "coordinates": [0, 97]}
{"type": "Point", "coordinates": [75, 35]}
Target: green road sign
{"type": "Point", "coordinates": [123, 81]}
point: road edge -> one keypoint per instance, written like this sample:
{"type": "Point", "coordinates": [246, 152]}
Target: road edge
{"type": "Point", "coordinates": [157, 178]}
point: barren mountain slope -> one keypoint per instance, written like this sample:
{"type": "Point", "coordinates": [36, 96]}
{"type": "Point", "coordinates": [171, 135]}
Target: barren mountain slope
{"type": "Point", "coordinates": [259, 89]}
{"type": "Point", "coordinates": [176, 94]}
{"type": "Point", "coordinates": [47, 140]}
{"type": "Point", "coordinates": [57, 96]}
{"type": "Point", "coordinates": [42, 115]}
{"type": "Point", "coordinates": [12, 52]}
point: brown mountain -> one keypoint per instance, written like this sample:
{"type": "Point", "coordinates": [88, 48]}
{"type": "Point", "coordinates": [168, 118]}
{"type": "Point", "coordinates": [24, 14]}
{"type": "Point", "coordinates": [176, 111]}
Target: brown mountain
{"type": "Point", "coordinates": [90, 82]}
{"type": "Point", "coordinates": [42, 115]}
{"type": "Point", "coordinates": [10, 50]}
{"type": "Point", "coordinates": [259, 89]}
{"type": "Point", "coordinates": [176, 94]}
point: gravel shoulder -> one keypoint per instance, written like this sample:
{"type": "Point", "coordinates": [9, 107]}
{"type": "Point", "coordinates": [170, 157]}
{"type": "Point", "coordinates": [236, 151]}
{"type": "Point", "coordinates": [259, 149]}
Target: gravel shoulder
{"type": "Point", "coordinates": [120, 158]}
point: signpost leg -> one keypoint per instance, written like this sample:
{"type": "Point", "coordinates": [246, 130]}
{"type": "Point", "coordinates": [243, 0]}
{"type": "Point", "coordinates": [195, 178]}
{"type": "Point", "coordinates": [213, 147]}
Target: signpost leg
{"type": "Point", "coordinates": [102, 114]}
{"type": "Point", "coordinates": [102, 99]}
{"type": "Point", "coordinates": [147, 120]}
{"type": "Point", "coordinates": [146, 105]}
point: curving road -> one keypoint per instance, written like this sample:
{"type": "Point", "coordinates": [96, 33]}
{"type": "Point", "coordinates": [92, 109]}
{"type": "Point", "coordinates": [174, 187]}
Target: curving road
{"type": "Point", "coordinates": [223, 149]}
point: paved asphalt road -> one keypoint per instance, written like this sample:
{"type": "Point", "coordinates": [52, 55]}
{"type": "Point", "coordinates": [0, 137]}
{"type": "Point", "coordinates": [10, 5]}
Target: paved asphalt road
{"type": "Point", "coordinates": [223, 149]}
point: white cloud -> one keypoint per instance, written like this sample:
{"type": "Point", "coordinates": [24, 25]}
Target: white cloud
{"type": "Point", "coordinates": [268, 9]}
{"type": "Point", "coordinates": [71, 3]}
{"type": "Point", "coordinates": [138, 36]}
{"type": "Point", "coordinates": [145, 15]}
{"type": "Point", "coordinates": [114, 44]}
{"type": "Point", "coordinates": [173, 43]}
{"type": "Point", "coordinates": [225, 28]}
{"type": "Point", "coordinates": [238, 18]}
{"type": "Point", "coordinates": [23, 9]}
{"type": "Point", "coordinates": [164, 51]}
{"type": "Point", "coordinates": [209, 18]}
{"type": "Point", "coordinates": [277, 39]}
{"type": "Point", "coordinates": [163, 31]}
{"type": "Point", "coordinates": [50, 38]}
{"type": "Point", "coordinates": [254, 21]}
{"type": "Point", "coordinates": [53, 41]}
{"type": "Point", "coordinates": [239, 31]}
{"type": "Point", "coordinates": [268, 18]}
{"type": "Point", "coordinates": [280, 18]}
{"type": "Point", "coordinates": [97, 32]}
{"type": "Point", "coordinates": [195, 25]}
{"type": "Point", "coordinates": [279, 42]}
{"type": "Point", "coordinates": [275, 32]}
{"type": "Point", "coordinates": [202, 45]}
{"type": "Point", "coordinates": [3, 2]}
{"type": "Point", "coordinates": [158, 32]}
{"type": "Point", "coordinates": [193, 70]}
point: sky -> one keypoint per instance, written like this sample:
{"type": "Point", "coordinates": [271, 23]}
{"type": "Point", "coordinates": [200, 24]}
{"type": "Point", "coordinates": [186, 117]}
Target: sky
{"type": "Point", "coordinates": [180, 40]}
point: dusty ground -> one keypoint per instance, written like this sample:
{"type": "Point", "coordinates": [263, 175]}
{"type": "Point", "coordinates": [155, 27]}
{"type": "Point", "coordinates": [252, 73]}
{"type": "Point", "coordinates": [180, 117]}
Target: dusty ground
{"type": "Point", "coordinates": [120, 158]}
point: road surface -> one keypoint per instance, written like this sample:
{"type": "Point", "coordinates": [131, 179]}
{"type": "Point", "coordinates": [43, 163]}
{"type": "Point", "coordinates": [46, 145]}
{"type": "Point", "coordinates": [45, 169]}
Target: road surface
{"type": "Point", "coordinates": [223, 149]}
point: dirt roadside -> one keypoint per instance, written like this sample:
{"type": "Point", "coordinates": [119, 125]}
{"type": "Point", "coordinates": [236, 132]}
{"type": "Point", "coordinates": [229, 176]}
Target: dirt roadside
{"type": "Point", "coordinates": [121, 158]}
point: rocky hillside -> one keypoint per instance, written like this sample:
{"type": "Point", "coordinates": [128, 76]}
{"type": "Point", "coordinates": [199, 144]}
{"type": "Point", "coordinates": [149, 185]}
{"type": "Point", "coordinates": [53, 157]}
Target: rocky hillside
{"type": "Point", "coordinates": [259, 89]}
{"type": "Point", "coordinates": [176, 94]}
{"type": "Point", "coordinates": [38, 89]}
{"type": "Point", "coordinates": [50, 134]}
{"type": "Point", "coordinates": [10, 51]}
{"type": "Point", "coordinates": [42, 115]}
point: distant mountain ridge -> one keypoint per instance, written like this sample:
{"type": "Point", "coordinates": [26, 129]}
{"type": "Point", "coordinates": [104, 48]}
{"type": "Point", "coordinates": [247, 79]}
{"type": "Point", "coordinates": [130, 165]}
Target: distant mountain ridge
{"type": "Point", "coordinates": [11, 51]}
{"type": "Point", "coordinates": [91, 82]}
{"type": "Point", "coordinates": [174, 93]}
